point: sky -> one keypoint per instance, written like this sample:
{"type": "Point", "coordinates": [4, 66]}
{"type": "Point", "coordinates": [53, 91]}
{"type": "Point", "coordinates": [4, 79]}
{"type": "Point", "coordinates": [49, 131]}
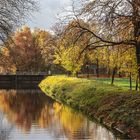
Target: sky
{"type": "Point", "coordinates": [48, 13]}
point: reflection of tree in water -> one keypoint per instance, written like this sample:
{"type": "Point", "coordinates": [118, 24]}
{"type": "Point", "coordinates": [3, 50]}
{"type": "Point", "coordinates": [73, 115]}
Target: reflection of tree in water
{"type": "Point", "coordinates": [28, 108]}
{"type": "Point", "coordinates": [23, 108]}
{"type": "Point", "coordinates": [76, 126]}
{"type": "Point", "coordinates": [73, 123]}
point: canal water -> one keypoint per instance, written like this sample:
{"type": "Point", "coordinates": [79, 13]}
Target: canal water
{"type": "Point", "coordinates": [31, 115]}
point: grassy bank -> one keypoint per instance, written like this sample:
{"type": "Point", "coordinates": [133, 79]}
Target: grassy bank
{"type": "Point", "coordinates": [113, 106]}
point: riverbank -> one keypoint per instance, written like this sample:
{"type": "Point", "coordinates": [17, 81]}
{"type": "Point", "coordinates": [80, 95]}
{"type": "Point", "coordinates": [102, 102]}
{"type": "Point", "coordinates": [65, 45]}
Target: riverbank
{"type": "Point", "coordinates": [112, 106]}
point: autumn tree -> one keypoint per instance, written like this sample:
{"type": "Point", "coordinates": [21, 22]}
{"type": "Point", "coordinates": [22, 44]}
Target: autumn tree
{"type": "Point", "coordinates": [21, 50]}
{"type": "Point", "coordinates": [67, 58]}
{"type": "Point", "coordinates": [6, 64]}
{"type": "Point", "coordinates": [29, 49]}
{"type": "Point", "coordinates": [46, 44]}
{"type": "Point", "coordinates": [116, 59]}
{"type": "Point", "coordinates": [68, 48]}
{"type": "Point", "coordinates": [130, 66]}
{"type": "Point", "coordinates": [112, 18]}
{"type": "Point", "coordinates": [96, 57]}
{"type": "Point", "coordinates": [13, 13]}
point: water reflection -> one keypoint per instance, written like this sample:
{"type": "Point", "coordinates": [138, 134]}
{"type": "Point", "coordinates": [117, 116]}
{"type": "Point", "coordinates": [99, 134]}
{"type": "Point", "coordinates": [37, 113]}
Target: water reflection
{"type": "Point", "coordinates": [33, 115]}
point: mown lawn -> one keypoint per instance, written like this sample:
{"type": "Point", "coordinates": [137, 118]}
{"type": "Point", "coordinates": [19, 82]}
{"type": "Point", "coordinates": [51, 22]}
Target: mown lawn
{"type": "Point", "coordinates": [121, 82]}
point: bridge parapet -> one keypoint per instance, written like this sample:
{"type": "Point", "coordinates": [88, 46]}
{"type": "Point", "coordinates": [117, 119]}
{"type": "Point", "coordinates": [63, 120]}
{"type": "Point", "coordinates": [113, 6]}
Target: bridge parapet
{"type": "Point", "coordinates": [26, 73]}
{"type": "Point", "coordinates": [20, 81]}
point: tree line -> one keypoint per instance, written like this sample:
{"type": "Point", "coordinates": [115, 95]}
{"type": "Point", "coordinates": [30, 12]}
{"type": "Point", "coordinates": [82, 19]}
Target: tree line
{"type": "Point", "coordinates": [105, 33]}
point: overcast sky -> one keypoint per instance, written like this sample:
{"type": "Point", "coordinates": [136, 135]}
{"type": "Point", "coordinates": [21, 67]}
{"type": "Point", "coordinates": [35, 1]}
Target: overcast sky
{"type": "Point", "coordinates": [47, 15]}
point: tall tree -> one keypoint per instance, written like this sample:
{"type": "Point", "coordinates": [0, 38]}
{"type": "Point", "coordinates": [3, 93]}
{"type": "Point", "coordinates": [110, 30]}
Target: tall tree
{"type": "Point", "coordinates": [30, 50]}
{"type": "Point", "coordinates": [112, 18]}
{"type": "Point", "coordinates": [46, 43]}
{"type": "Point", "coordinates": [12, 13]}
{"type": "Point", "coordinates": [69, 47]}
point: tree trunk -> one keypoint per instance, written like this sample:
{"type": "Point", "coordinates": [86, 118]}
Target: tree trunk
{"type": "Point", "coordinates": [87, 67]}
{"type": "Point", "coordinates": [130, 80]}
{"type": "Point", "coordinates": [97, 70]}
{"type": "Point", "coordinates": [108, 73]}
{"type": "Point", "coordinates": [136, 23]}
{"type": "Point", "coordinates": [113, 75]}
{"type": "Point", "coordinates": [138, 58]}
{"type": "Point", "coordinates": [137, 83]}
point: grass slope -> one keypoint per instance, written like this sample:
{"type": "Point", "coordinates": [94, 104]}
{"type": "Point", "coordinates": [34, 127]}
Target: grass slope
{"type": "Point", "coordinates": [112, 105]}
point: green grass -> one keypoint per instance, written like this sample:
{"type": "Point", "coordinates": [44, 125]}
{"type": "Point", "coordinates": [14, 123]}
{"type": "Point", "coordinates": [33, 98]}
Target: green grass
{"type": "Point", "coordinates": [112, 104]}
{"type": "Point", "coordinates": [121, 82]}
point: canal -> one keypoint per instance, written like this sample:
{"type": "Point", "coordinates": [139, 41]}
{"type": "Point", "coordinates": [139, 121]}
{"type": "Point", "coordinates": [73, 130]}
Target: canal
{"type": "Point", "coordinates": [31, 115]}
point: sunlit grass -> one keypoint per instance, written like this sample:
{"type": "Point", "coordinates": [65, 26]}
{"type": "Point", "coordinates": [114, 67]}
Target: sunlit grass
{"type": "Point", "coordinates": [97, 98]}
{"type": "Point", "coordinates": [120, 82]}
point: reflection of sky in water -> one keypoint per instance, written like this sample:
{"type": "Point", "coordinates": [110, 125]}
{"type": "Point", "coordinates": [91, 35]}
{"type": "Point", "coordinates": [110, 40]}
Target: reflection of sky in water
{"type": "Point", "coordinates": [34, 116]}
{"type": "Point", "coordinates": [35, 134]}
